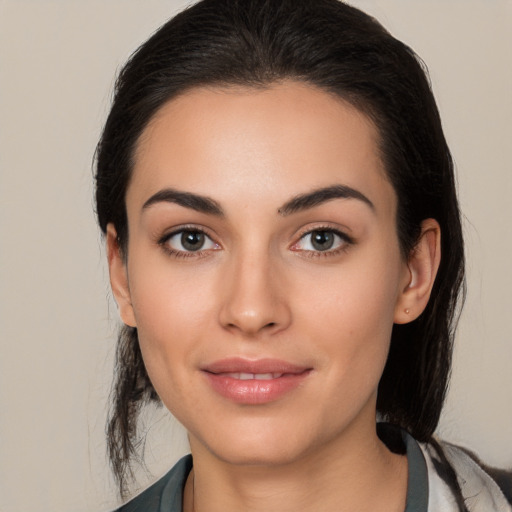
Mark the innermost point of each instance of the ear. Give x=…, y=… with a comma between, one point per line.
x=422, y=269
x=119, y=277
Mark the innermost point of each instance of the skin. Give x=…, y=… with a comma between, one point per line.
x=260, y=289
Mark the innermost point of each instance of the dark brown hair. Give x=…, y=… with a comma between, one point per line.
x=339, y=49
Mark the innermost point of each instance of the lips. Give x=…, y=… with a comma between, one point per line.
x=254, y=382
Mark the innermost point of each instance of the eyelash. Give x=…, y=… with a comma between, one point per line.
x=163, y=242
x=346, y=240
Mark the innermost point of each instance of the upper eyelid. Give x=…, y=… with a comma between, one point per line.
x=340, y=235
x=346, y=241
x=342, y=232
x=179, y=229
x=164, y=243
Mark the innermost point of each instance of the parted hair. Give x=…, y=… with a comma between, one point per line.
x=339, y=49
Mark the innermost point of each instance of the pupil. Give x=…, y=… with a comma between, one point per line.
x=192, y=240
x=322, y=240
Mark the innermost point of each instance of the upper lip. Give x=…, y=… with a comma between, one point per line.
x=259, y=366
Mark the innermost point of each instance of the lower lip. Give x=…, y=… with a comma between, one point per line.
x=252, y=391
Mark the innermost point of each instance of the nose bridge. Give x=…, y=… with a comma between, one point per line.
x=253, y=301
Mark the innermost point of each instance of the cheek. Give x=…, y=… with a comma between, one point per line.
x=351, y=311
x=359, y=295
x=171, y=310
x=166, y=299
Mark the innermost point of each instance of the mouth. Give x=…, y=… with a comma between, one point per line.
x=252, y=376
x=255, y=382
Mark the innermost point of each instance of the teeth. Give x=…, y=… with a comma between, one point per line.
x=253, y=376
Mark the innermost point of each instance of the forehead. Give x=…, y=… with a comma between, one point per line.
x=275, y=141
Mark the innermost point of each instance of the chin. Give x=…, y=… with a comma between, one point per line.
x=256, y=454
x=262, y=443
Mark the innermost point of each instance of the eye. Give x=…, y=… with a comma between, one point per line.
x=322, y=240
x=188, y=241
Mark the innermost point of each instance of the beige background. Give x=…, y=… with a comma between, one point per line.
x=57, y=63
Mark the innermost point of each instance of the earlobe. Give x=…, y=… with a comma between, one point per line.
x=422, y=269
x=119, y=277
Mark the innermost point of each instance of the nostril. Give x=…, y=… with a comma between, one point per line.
x=253, y=312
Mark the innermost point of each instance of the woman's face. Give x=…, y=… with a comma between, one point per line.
x=263, y=269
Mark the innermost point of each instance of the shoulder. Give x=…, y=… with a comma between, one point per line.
x=483, y=488
x=166, y=492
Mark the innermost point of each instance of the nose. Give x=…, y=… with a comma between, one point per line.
x=254, y=297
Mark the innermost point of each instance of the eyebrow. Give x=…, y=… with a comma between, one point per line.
x=196, y=202
x=207, y=205
x=321, y=195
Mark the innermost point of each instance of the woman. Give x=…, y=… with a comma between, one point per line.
x=285, y=249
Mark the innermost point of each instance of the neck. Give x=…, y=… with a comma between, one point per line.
x=353, y=472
